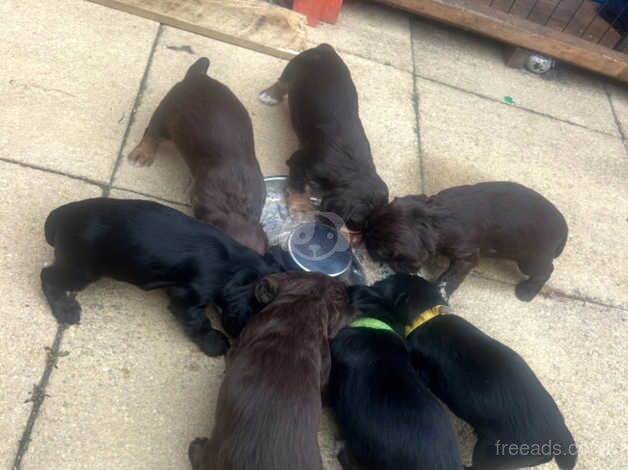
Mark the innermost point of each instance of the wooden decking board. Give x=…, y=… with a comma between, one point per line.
x=253, y=24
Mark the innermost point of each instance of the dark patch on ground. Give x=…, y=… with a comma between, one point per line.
x=183, y=48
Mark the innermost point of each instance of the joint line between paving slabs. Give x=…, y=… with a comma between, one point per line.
x=417, y=116
x=30, y=166
x=152, y=196
x=514, y=106
x=37, y=397
x=136, y=103
x=614, y=112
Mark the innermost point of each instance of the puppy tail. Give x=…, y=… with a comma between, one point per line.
x=198, y=68
x=568, y=455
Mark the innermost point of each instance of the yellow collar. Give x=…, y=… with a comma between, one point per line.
x=423, y=318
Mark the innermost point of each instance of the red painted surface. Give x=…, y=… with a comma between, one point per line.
x=316, y=10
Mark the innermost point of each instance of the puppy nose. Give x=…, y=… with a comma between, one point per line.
x=314, y=247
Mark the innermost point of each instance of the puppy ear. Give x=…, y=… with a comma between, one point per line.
x=266, y=290
x=237, y=300
x=401, y=300
x=428, y=239
x=362, y=297
x=340, y=310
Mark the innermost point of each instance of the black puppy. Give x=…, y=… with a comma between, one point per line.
x=334, y=151
x=481, y=380
x=389, y=419
x=152, y=246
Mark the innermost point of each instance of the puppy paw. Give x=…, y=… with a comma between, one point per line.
x=442, y=289
x=143, y=154
x=214, y=343
x=267, y=98
x=355, y=238
x=66, y=310
x=196, y=452
x=526, y=290
x=298, y=203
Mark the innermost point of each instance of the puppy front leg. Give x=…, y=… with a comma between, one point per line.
x=354, y=237
x=458, y=269
x=190, y=308
x=298, y=201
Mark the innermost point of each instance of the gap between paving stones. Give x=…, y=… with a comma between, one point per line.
x=417, y=111
x=38, y=395
x=614, y=111
x=136, y=104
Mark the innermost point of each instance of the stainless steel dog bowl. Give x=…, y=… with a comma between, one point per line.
x=316, y=247
x=309, y=245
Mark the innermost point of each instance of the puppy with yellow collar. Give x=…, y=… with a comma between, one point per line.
x=481, y=380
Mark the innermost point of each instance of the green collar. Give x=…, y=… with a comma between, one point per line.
x=374, y=323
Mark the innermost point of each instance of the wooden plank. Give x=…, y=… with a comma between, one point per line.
x=576, y=17
x=253, y=24
x=519, y=32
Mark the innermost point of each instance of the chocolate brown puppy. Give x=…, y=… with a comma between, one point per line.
x=495, y=219
x=213, y=132
x=269, y=404
x=333, y=149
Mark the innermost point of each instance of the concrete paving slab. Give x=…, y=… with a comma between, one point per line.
x=27, y=324
x=387, y=113
x=466, y=139
x=132, y=391
x=577, y=350
x=372, y=31
x=476, y=64
x=385, y=106
x=71, y=71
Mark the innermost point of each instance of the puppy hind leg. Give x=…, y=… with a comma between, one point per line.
x=492, y=454
x=539, y=271
x=487, y=455
x=197, y=452
x=145, y=152
x=273, y=95
x=56, y=282
x=347, y=460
